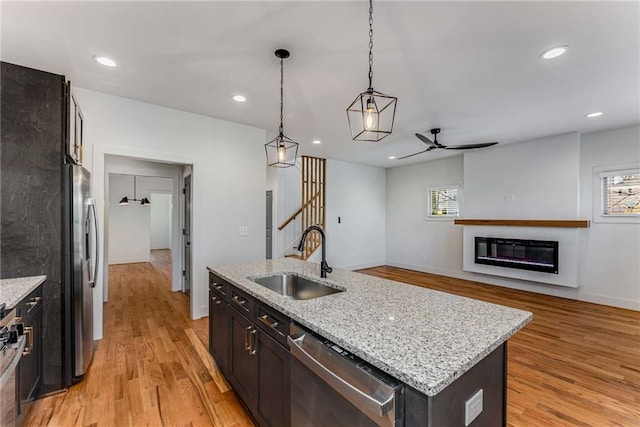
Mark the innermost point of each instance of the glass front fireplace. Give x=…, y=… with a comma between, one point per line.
x=535, y=255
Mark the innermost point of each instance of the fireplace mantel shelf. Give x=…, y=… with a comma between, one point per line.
x=570, y=223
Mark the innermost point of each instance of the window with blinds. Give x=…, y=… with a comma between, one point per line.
x=443, y=202
x=621, y=192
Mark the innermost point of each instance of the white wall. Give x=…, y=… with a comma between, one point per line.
x=160, y=221
x=286, y=184
x=607, y=255
x=541, y=175
x=529, y=180
x=356, y=194
x=226, y=194
x=433, y=245
x=130, y=226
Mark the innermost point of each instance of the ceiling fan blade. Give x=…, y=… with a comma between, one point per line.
x=425, y=140
x=415, y=154
x=469, y=146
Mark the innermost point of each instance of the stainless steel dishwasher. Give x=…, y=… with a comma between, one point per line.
x=331, y=387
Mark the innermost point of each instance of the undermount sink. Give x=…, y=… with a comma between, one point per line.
x=295, y=287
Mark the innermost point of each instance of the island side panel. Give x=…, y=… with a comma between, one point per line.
x=447, y=408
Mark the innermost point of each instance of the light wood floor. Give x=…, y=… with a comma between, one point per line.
x=153, y=366
x=576, y=364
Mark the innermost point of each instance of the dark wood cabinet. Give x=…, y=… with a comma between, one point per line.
x=247, y=341
x=244, y=366
x=30, y=312
x=273, y=382
x=219, y=331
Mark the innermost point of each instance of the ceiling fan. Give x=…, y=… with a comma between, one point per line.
x=435, y=145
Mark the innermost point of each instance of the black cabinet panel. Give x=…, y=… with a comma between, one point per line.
x=30, y=310
x=256, y=364
x=244, y=367
x=219, y=331
x=273, y=382
x=31, y=175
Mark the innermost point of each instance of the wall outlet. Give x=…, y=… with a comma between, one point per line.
x=472, y=408
x=509, y=197
x=243, y=230
x=424, y=257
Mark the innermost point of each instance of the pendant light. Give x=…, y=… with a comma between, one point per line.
x=125, y=200
x=372, y=113
x=281, y=151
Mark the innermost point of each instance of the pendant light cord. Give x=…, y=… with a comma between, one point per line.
x=281, y=95
x=370, y=45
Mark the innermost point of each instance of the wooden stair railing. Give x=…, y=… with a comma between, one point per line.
x=298, y=212
x=313, y=203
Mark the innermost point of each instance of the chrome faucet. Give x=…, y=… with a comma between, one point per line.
x=324, y=267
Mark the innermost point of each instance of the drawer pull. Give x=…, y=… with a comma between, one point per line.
x=252, y=342
x=28, y=331
x=217, y=286
x=247, y=346
x=33, y=303
x=240, y=301
x=273, y=325
x=216, y=300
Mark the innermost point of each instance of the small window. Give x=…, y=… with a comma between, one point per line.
x=621, y=193
x=443, y=202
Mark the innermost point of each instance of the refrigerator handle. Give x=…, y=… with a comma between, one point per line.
x=92, y=203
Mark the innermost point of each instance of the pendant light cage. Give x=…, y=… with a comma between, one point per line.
x=281, y=151
x=371, y=116
x=372, y=113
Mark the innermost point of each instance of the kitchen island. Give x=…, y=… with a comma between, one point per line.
x=426, y=339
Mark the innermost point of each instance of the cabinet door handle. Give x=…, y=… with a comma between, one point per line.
x=247, y=344
x=273, y=325
x=252, y=341
x=216, y=300
x=28, y=331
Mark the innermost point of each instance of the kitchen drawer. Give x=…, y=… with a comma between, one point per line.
x=30, y=303
x=273, y=322
x=219, y=287
x=242, y=302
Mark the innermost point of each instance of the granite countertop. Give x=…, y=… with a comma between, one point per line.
x=425, y=338
x=12, y=291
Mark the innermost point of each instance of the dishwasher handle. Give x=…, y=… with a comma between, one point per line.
x=360, y=399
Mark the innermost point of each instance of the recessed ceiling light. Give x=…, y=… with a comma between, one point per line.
x=106, y=61
x=392, y=157
x=239, y=98
x=317, y=141
x=554, y=52
x=594, y=114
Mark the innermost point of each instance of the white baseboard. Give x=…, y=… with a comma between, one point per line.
x=362, y=266
x=614, y=302
x=553, y=290
x=128, y=260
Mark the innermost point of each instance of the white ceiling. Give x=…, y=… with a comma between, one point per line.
x=471, y=68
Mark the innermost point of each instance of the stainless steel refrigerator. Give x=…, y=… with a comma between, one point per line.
x=81, y=273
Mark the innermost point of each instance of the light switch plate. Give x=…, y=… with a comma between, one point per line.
x=472, y=408
x=243, y=230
